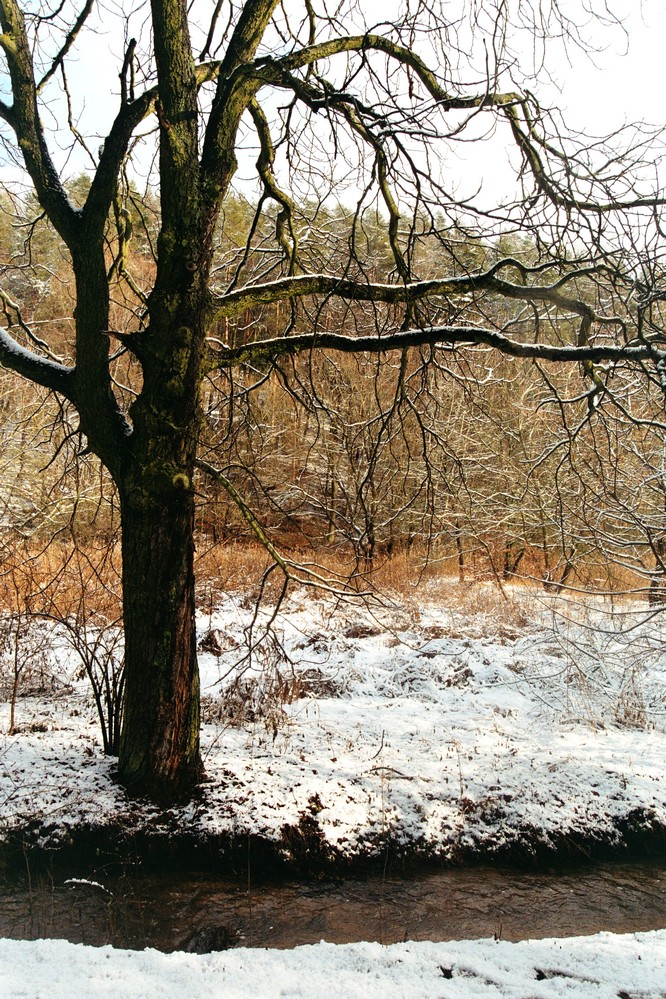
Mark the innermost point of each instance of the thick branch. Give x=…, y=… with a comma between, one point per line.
x=177, y=114
x=25, y=121
x=239, y=80
x=104, y=183
x=450, y=336
x=380, y=43
x=38, y=369
x=249, y=77
x=326, y=284
x=233, y=95
x=248, y=33
x=130, y=116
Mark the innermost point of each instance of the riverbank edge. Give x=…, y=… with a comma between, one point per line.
x=303, y=851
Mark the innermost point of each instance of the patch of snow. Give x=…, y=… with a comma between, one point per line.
x=421, y=727
x=604, y=966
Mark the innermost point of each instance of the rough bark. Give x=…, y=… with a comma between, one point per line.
x=159, y=746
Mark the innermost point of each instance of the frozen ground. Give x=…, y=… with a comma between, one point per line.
x=604, y=966
x=495, y=725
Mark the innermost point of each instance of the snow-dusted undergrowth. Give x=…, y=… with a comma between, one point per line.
x=490, y=725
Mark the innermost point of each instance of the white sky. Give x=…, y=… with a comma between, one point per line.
x=625, y=81
x=622, y=83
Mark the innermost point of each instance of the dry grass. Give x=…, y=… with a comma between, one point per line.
x=79, y=584
x=54, y=579
x=51, y=578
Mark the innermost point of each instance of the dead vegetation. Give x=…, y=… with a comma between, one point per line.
x=72, y=583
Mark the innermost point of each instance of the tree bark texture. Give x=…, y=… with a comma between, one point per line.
x=159, y=746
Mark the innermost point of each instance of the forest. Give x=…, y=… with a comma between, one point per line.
x=266, y=336
x=332, y=499
x=349, y=474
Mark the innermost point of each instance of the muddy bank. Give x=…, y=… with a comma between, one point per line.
x=302, y=850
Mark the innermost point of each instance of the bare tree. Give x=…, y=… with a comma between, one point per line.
x=314, y=96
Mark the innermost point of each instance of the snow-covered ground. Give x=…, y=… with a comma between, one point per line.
x=492, y=725
x=605, y=966
x=497, y=724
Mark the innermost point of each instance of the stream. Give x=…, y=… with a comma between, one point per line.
x=180, y=910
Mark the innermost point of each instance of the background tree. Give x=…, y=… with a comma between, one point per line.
x=162, y=350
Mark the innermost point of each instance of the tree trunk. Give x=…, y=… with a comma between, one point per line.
x=657, y=591
x=159, y=745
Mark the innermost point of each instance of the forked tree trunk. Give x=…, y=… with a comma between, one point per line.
x=159, y=745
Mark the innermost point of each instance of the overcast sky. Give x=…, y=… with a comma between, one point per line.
x=621, y=83
x=625, y=81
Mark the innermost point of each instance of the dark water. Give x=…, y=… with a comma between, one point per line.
x=168, y=911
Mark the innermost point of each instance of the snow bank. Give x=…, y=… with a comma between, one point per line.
x=605, y=965
x=447, y=732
